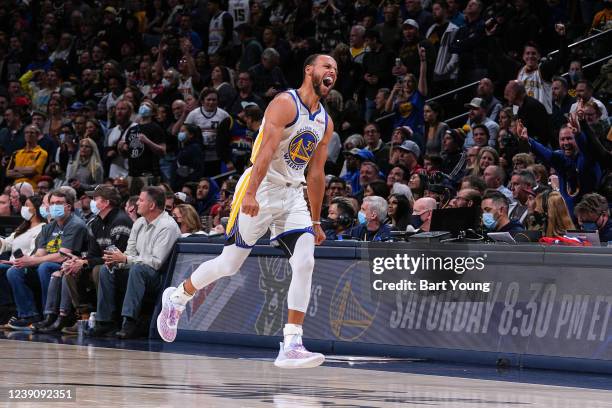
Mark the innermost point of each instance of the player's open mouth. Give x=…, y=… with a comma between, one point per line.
x=328, y=81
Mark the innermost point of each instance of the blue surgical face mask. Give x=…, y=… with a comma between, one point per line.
x=62, y=137
x=182, y=136
x=43, y=212
x=165, y=83
x=589, y=226
x=94, y=207
x=144, y=111
x=416, y=221
x=362, y=217
x=56, y=211
x=489, y=221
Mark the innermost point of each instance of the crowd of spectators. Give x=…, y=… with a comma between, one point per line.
x=125, y=125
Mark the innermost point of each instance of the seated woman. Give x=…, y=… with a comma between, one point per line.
x=399, y=212
x=21, y=242
x=86, y=171
x=548, y=213
x=187, y=219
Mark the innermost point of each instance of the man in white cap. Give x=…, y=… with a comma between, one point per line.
x=478, y=116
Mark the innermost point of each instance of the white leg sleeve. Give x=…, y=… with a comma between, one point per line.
x=302, y=265
x=226, y=264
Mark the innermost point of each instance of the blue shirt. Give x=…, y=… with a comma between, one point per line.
x=361, y=233
x=410, y=113
x=580, y=173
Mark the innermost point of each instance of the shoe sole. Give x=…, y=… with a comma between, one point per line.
x=163, y=315
x=311, y=362
x=20, y=328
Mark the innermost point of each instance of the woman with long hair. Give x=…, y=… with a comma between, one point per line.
x=376, y=188
x=549, y=214
x=22, y=241
x=86, y=171
x=187, y=219
x=487, y=156
x=418, y=185
x=93, y=131
x=399, y=212
x=434, y=128
x=221, y=80
x=55, y=117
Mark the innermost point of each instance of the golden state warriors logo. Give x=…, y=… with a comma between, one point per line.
x=300, y=150
x=352, y=309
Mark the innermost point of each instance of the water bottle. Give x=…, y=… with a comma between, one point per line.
x=91, y=322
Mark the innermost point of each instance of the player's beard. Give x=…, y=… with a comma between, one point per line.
x=316, y=86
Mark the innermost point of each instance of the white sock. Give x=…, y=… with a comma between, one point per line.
x=293, y=334
x=180, y=296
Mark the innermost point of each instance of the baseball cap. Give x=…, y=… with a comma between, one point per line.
x=363, y=154
x=246, y=104
x=77, y=106
x=410, y=146
x=107, y=192
x=111, y=10
x=475, y=103
x=411, y=22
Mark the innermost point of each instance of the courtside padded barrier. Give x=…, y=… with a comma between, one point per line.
x=547, y=307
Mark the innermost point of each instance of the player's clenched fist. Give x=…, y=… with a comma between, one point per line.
x=250, y=206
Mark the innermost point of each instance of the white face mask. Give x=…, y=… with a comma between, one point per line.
x=25, y=213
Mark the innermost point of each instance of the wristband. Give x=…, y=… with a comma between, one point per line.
x=316, y=222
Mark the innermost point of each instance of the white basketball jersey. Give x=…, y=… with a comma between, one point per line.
x=297, y=145
x=536, y=87
x=216, y=33
x=240, y=11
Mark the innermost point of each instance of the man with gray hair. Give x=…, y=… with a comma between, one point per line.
x=522, y=184
x=371, y=219
x=268, y=79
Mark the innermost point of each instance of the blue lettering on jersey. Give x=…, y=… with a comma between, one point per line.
x=300, y=150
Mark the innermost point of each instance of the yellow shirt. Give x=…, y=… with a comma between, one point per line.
x=36, y=157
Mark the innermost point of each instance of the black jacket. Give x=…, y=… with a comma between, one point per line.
x=114, y=229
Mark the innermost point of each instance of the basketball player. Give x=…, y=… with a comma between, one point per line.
x=295, y=132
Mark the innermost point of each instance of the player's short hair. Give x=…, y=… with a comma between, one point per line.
x=310, y=60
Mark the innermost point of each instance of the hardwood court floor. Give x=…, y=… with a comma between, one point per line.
x=111, y=377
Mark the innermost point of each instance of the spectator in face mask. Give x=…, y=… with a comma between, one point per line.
x=495, y=213
x=593, y=215
x=421, y=214
x=22, y=240
x=371, y=219
x=18, y=191
x=188, y=220
x=340, y=217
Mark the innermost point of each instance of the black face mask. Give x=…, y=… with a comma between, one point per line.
x=539, y=218
x=328, y=223
x=415, y=221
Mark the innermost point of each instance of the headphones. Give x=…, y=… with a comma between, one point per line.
x=346, y=214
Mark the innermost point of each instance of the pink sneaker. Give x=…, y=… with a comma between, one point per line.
x=168, y=318
x=296, y=356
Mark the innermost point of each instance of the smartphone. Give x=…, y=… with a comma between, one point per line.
x=18, y=254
